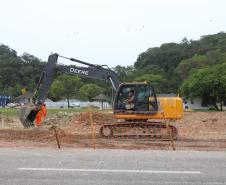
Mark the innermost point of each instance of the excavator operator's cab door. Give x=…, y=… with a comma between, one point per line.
x=139, y=98
x=146, y=99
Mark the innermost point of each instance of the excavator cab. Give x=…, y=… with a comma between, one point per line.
x=135, y=98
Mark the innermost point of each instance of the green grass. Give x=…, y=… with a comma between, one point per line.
x=55, y=111
x=12, y=112
x=9, y=112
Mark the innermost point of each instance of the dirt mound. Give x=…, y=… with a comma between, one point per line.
x=9, y=122
x=60, y=119
x=36, y=134
x=196, y=131
x=98, y=118
x=202, y=126
x=80, y=124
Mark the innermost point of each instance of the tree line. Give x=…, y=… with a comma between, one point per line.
x=190, y=68
x=20, y=74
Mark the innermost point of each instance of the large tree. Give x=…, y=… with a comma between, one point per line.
x=17, y=72
x=208, y=83
x=65, y=86
x=175, y=61
x=157, y=81
x=124, y=72
x=89, y=91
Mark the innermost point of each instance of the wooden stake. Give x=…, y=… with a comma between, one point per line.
x=56, y=136
x=3, y=123
x=169, y=131
x=92, y=126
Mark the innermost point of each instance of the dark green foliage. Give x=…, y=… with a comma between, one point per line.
x=124, y=72
x=167, y=56
x=18, y=72
x=65, y=86
x=175, y=62
x=208, y=83
x=197, y=68
x=89, y=91
x=157, y=81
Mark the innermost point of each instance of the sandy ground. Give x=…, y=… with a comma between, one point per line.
x=196, y=131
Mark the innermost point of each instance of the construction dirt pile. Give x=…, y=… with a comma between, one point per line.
x=202, y=126
x=196, y=131
x=82, y=124
x=98, y=118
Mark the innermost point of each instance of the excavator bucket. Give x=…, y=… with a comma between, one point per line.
x=27, y=116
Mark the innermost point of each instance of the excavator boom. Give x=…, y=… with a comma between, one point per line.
x=28, y=113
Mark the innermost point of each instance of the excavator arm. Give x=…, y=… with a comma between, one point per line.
x=28, y=114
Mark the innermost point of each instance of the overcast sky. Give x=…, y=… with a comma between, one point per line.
x=105, y=31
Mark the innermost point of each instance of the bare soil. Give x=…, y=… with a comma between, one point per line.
x=196, y=131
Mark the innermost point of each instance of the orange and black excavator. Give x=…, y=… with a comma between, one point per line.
x=137, y=110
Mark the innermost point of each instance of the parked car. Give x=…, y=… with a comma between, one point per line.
x=73, y=105
x=12, y=105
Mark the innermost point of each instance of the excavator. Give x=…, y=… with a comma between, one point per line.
x=137, y=110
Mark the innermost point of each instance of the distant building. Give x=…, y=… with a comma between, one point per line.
x=196, y=103
x=74, y=103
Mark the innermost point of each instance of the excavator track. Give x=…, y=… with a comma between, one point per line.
x=154, y=130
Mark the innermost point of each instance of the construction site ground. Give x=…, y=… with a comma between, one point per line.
x=196, y=131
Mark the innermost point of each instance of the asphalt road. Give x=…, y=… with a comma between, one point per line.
x=111, y=167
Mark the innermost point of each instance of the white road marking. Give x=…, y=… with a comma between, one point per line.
x=110, y=170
